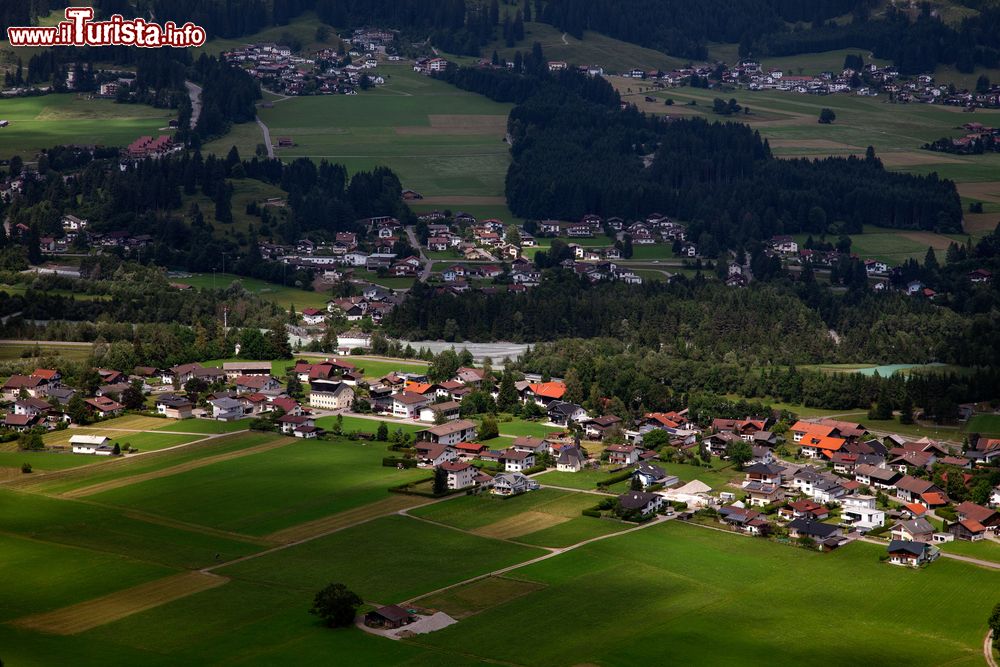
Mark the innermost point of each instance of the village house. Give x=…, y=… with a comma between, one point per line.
x=762, y=494
x=173, y=406
x=860, y=512
x=331, y=395
x=289, y=423
x=911, y=554
x=226, y=408
x=98, y=445
x=597, y=427
x=460, y=475
x=641, y=502
x=564, y=413
x=512, y=484
x=623, y=455
x=803, y=509
x=920, y=491
x=512, y=460
x=450, y=433
x=570, y=459
x=877, y=477
x=432, y=454
x=528, y=443
x=255, y=383
x=407, y=404
x=649, y=474
x=817, y=530
x=913, y=530
x=988, y=518
x=104, y=407
x=448, y=410
x=236, y=369
x=33, y=386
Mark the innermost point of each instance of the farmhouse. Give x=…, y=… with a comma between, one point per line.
x=255, y=383
x=234, y=369
x=330, y=395
x=389, y=617
x=98, y=445
x=640, y=502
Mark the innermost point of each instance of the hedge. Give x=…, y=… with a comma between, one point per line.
x=591, y=512
x=614, y=479
x=395, y=461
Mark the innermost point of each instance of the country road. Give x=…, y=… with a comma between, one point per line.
x=194, y=92
x=425, y=272
x=267, y=137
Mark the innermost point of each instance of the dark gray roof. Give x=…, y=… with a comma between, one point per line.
x=813, y=528
x=915, y=548
x=653, y=471
x=635, y=500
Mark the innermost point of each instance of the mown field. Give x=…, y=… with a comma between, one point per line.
x=48, y=120
x=664, y=591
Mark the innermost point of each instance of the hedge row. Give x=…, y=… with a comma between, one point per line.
x=395, y=461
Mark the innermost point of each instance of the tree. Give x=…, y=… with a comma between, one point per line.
x=440, y=481
x=117, y=450
x=30, y=441
x=906, y=410
x=827, y=116
x=382, y=433
x=77, y=409
x=635, y=484
x=336, y=605
x=488, y=428
x=338, y=425
x=739, y=451
x=655, y=439
x=507, y=395
x=132, y=397
x=994, y=621
x=440, y=418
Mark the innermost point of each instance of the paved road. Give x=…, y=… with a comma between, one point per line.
x=267, y=137
x=425, y=273
x=194, y=92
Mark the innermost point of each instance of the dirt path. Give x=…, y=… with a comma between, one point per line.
x=173, y=470
x=194, y=92
x=106, y=609
x=988, y=649
x=267, y=137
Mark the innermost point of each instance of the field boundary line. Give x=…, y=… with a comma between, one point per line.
x=93, y=613
x=396, y=503
x=470, y=532
x=111, y=484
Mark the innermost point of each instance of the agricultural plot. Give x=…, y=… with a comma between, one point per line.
x=30, y=351
x=206, y=426
x=410, y=558
x=12, y=460
x=691, y=579
x=442, y=142
x=364, y=425
x=267, y=491
x=987, y=424
x=478, y=596
x=108, y=531
x=517, y=427
x=503, y=517
x=50, y=120
x=283, y=296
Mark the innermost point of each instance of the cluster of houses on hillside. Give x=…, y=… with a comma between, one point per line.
x=978, y=139
x=870, y=80
x=327, y=72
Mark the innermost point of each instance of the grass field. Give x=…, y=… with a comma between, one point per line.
x=44, y=460
x=48, y=120
x=206, y=426
x=498, y=517
x=690, y=580
x=13, y=351
x=268, y=491
x=364, y=425
x=283, y=296
x=518, y=427
x=445, y=143
x=986, y=424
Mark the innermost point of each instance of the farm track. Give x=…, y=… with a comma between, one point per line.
x=330, y=524
x=108, y=608
x=173, y=470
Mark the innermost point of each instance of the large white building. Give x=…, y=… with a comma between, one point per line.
x=330, y=395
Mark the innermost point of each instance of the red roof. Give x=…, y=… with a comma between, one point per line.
x=45, y=373
x=916, y=509
x=548, y=389
x=934, y=499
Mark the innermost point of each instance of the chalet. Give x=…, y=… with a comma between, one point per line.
x=915, y=530
x=512, y=484
x=20, y=423
x=512, y=460
x=544, y=393
x=432, y=454
x=289, y=423
x=597, y=427
x=875, y=267
x=980, y=276
x=563, y=413
x=804, y=509
x=921, y=491
x=174, y=406
x=467, y=451
x=451, y=433
x=785, y=245
x=256, y=383
x=31, y=407
x=764, y=473
x=911, y=554
x=570, y=459
x=527, y=443
x=33, y=386
x=877, y=477
x=969, y=530
x=103, y=406
x=623, y=455
x=649, y=474
x=226, y=409
x=718, y=442
x=460, y=475
x=640, y=502
x=313, y=316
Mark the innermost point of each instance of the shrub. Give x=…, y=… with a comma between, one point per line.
x=26, y=468
x=591, y=512
x=395, y=461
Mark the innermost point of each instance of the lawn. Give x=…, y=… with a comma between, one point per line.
x=691, y=580
x=585, y=479
x=988, y=424
x=268, y=491
x=365, y=425
x=146, y=442
x=16, y=351
x=517, y=427
x=45, y=460
x=983, y=549
x=50, y=120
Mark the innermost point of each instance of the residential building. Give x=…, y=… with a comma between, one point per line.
x=173, y=406
x=460, y=475
x=570, y=459
x=861, y=512
x=911, y=554
x=450, y=433
x=512, y=460
x=408, y=404
x=913, y=530
x=331, y=395
x=641, y=502
x=512, y=484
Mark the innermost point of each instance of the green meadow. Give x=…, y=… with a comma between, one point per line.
x=49, y=120
x=267, y=491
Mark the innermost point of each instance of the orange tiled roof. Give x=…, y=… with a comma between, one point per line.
x=548, y=389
